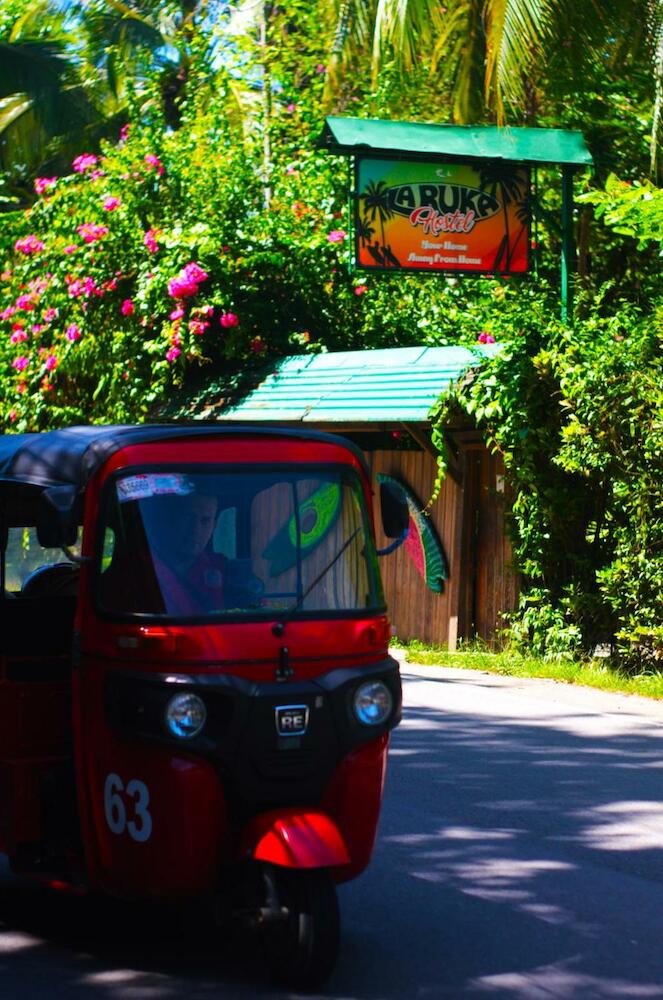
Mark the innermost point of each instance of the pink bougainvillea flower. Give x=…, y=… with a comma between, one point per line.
x=180, y=287
x=124, y=132
x=195, y=273
x=12, y=415
x=155, y=163
x=37, y=328
x=127, y=308
x=185, y=284
x=84, y=162
x=290, y=108
x=229, y=319
x=111, y=203
x=150, y=240
x=72, y=332
x=29, y=244
x=321, y=68
x=18, y=336
x=361, y=289
x=20, y=363
x=51, y=363
x=45, y=184
x=80, y=286
x=5, y=276
x=177, y=314
x=336, y=235
x=8, y=312
x=25, y=302
x=70, y=248
x=40, y=284
x=172, y=354
x=198, y=326
x=91, y=232
x=50, y=315
x=485, y=338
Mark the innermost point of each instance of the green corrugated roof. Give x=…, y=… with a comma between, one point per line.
x=395, y=385
x=352, y=136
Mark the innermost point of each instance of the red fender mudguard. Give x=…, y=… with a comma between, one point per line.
x=295, y=838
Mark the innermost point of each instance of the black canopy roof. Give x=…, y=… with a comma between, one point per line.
x=71, y=455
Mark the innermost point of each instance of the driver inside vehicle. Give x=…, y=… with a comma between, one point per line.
x=179, y=529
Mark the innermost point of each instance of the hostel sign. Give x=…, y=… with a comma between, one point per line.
x=435, y=216
x=453, y=198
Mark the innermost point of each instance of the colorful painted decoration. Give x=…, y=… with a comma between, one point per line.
x=422, y=545
x=317, y=516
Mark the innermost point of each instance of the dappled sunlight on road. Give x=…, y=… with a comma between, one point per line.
x=560, y=981
x=625, y=826
x=547, y=816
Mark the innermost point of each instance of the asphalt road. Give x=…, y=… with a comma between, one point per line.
x=520, y=856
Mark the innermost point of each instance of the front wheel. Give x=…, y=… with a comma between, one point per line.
x=301, y=948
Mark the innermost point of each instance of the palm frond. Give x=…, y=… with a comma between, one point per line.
x=12, y=108
x=516, y=30
x=409, y=25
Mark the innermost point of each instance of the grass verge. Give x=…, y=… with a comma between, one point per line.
x=595, y=673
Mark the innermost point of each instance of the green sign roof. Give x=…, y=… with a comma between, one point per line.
x=354, y=136
x=347, y=387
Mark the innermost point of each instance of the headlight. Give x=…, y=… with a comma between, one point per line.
x=372, y=703
x=185, y=715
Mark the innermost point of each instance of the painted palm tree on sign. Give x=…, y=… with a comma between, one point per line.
x=376, y=206
x=365, y=232
x=509, y=184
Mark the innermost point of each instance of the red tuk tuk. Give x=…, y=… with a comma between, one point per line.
x=196, y=698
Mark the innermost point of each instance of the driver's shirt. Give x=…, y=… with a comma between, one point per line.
x=195, y=591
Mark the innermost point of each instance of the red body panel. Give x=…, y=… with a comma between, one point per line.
x=181, y=814
x=353, y=800
x=294, y=838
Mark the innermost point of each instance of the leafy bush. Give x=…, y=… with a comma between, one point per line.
x=576, y=415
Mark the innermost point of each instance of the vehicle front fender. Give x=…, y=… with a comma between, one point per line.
x=295, y=838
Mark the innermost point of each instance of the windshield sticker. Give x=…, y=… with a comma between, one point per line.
x=153, y=485
x=316, y=516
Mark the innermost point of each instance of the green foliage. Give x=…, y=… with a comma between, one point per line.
x=576, y=415
x=631, y=209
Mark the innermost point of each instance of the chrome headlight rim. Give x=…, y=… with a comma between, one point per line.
x=179, y=706
x=372, y=703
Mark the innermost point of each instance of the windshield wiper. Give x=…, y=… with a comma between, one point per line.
x=278, y=627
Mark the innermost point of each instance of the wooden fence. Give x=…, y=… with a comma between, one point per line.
x=468, y=516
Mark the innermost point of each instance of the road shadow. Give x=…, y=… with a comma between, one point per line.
x=519, y=858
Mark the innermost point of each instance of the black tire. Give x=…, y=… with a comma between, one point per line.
x=302, y=949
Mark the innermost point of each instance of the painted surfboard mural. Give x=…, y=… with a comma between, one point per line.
x=422, y=545
x=317, y=515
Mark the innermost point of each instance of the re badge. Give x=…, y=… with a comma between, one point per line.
x=291, y=720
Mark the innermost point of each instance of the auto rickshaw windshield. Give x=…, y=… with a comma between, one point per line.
x=190, y=544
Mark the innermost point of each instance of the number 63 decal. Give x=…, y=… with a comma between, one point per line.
x=139, y=825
